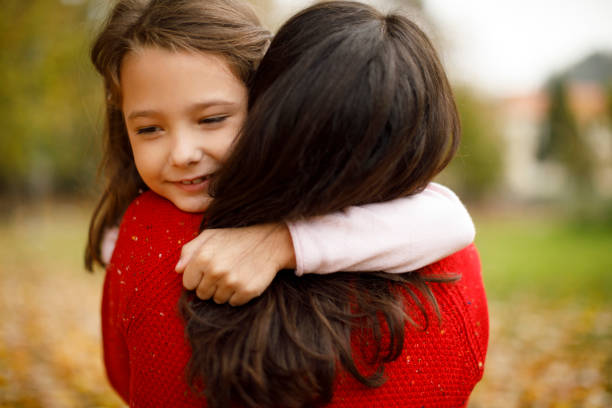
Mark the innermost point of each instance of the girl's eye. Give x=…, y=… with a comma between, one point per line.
x=214, y=119
x=147, y=130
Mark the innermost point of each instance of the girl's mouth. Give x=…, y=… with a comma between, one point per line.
x=194, y=181
x=197, y=184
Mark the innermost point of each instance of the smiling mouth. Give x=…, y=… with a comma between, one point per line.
x=194, y=181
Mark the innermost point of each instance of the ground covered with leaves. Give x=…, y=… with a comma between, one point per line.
x=551, y=333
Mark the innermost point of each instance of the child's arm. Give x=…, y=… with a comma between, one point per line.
x=405, y=234
x=402, y=235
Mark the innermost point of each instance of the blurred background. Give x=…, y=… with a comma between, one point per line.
x=533, y=82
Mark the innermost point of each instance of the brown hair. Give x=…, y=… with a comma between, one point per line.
x=348, y=107
x=228, y=28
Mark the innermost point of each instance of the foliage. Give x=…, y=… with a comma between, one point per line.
x=49, y=99
x=477, y=167
x=546, y=354
x=609, y=102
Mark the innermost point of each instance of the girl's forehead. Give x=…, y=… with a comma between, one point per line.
x=152, y=75
x=193, y=59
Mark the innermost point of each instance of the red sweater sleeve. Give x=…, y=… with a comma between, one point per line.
x=145, y=350
x=116, y=359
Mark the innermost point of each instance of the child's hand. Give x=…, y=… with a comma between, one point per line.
x=235, y=264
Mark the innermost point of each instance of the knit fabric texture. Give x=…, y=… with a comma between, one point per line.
x=146, y=352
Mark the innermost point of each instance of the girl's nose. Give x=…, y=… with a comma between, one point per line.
x=185, y=151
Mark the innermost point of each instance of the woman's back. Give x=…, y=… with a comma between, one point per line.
x=146, y=351
x=441, y=365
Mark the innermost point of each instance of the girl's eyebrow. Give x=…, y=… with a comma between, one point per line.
x=214, y=102
x=195, y=107
x=141, y=114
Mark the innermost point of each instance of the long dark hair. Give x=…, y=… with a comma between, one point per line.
x=348, y=107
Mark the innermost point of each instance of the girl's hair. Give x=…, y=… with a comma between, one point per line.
x=228, y=28
x=348, y=107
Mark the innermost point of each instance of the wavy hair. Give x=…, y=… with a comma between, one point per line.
x=348, y=107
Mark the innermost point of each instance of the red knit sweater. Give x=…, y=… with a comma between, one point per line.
x=145, y=350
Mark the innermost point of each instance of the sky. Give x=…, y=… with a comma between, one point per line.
x=510, y=47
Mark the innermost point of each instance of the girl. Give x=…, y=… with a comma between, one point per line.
x=142, y=348
x=410, y=232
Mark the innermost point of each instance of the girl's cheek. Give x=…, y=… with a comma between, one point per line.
x=148, y=157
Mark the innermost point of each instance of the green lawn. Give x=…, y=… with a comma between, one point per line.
x=548, y=257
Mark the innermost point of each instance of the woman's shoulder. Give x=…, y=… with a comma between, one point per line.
x=463, y=262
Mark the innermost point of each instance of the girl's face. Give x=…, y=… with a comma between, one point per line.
x=182, y=111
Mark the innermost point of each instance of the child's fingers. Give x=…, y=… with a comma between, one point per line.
x=208, y=284
x=255, y=286
x=186, y=254
x=205, y=292
x=239, y=298
x=191, y=277
x=190, y=249
x=222, y=294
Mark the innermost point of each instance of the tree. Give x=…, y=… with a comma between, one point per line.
x=50, y=99
x=609, y=102
x=561, y=139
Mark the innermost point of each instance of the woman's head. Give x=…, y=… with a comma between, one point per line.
x=144, y=52
x=349, y=106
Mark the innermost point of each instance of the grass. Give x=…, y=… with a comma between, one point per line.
x=547, y=257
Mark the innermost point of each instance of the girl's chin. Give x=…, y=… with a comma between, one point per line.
x=192, y=204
